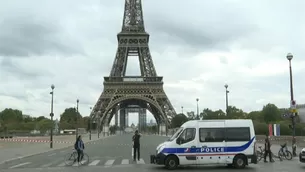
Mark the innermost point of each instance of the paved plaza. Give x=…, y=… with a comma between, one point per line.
x=114, y=154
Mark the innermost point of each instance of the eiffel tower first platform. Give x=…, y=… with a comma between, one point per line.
x=121, y=91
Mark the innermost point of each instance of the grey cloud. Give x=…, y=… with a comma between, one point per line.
x=28, y=35
x=17, y=96
x=23, y=72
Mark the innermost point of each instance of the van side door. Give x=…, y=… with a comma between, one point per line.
x=212, y=143
x=238, y=140
x=187, y=142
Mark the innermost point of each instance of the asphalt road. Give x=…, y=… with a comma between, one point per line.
x=113, y=154
x=112, y=151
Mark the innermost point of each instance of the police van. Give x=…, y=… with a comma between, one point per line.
x=208, y=142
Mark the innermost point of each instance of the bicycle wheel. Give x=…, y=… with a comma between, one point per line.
x=85, y=159
x=280, y=154
x=259, y=155
x=70, y=158
x=288, y=155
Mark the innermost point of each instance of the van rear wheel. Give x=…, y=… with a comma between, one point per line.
x=239, y=161
x=171, y=162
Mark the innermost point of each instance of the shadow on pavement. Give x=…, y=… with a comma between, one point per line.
x=208, y=168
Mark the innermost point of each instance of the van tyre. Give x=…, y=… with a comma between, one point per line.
x=239, y=161
x=171, y=162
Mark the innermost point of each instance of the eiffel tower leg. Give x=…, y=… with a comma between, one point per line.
x=122, y=119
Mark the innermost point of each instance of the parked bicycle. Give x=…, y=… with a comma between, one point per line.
x=261, y=152
x=71, y=158
x=284, y=152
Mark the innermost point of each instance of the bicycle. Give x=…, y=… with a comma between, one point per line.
x=284, y=152
x=71, y=158
x=261, y=152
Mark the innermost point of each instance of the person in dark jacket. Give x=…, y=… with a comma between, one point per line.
x=136, y=145
x=268, y=150
x=79, y=146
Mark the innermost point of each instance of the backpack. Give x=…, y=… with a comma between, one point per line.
x=75, y=145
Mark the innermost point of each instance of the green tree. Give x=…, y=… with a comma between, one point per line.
x=210, y=114
x=235, y=113
x=271, y=113
x=45, y=125
x=40, y=118
x=72, y=117
x=9, y=115
x=178, y=120
x=256, y=115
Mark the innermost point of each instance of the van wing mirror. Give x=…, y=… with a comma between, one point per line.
x=178, y=140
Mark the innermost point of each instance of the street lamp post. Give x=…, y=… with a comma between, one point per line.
x=182, y=109
x=227, y=102
x=90, y=118
x=76, y=127
x=197, y=108
x=289, y=58
x=52, y=114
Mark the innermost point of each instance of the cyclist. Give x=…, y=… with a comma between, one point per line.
x=79, y=147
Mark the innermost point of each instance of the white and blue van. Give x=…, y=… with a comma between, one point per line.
x=207, y=142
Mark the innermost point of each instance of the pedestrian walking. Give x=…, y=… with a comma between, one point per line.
x=136, y=145
x=268, y=150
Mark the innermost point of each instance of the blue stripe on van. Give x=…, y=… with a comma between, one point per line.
x=209, y=149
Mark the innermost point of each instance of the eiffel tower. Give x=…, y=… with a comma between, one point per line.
x=121, y=91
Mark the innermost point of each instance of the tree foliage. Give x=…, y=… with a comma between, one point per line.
x=71, y=119
x=13, y=120
x=178, y=120
x=270, y=114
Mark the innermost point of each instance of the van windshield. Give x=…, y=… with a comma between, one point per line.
x=177, y=133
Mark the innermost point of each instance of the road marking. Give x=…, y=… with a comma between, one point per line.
x=52, y=154
x=95, y=162
x=78, y=164
x=141, y=161
x=62, y=151
x=109, y=162
x=19, y=165
x=62, y=164
x=46, y=165
x=125, y=161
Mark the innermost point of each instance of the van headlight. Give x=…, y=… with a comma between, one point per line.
x=160, y=149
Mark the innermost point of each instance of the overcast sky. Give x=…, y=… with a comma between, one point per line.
x=197, y=45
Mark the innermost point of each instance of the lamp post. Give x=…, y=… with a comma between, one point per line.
x=227, y=102
x=289, y=58
x=76, y=127
x=182, y=109
x=90, y=118
x=51, y=115
x=197, y=108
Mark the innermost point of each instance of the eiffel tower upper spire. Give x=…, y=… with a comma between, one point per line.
x=133, y=17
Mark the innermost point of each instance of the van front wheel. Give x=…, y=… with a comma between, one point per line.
x=239, y=161
x=171, y=162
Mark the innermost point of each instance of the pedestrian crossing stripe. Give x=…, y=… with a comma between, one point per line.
x=93, y=163
x=106, y=164
x=20, y=165
x=109, y=162
x=125, y=161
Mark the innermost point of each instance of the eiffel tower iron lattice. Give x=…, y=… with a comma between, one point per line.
x=145, y=91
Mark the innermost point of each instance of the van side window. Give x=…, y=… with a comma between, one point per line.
x=238, y=134
x=211, y=134
x=188, y=135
